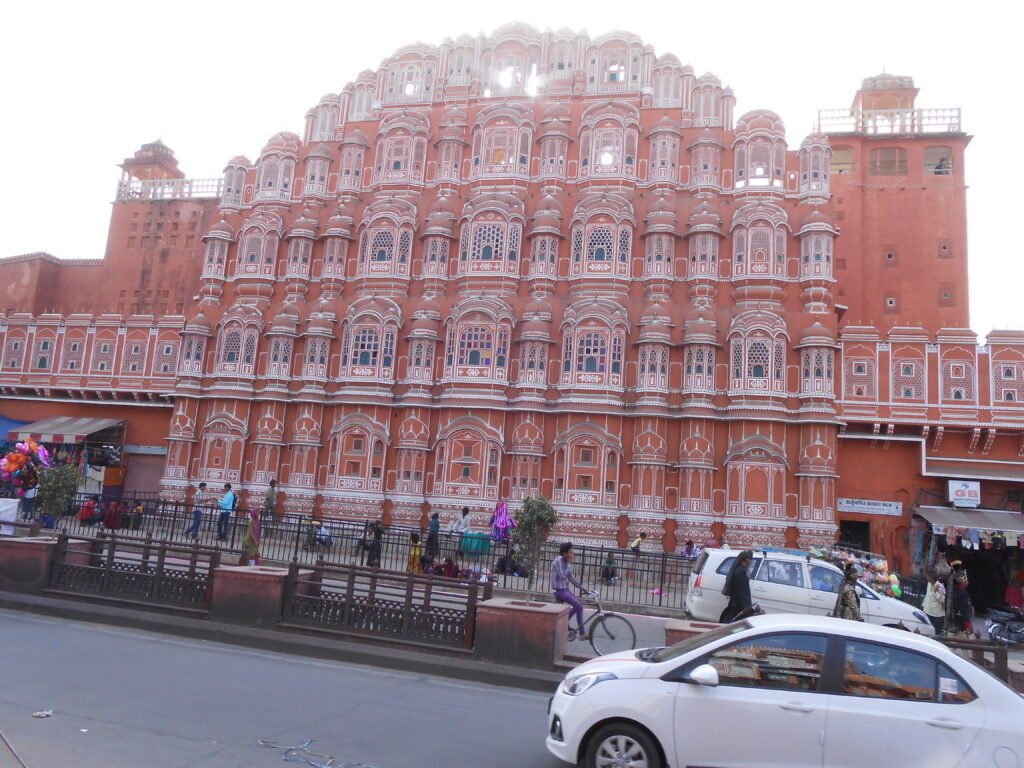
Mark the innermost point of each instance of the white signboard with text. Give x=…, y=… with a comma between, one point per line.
x=965, y=493
x=871, y=507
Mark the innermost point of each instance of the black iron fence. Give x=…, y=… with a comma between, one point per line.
x=368, y=601
x=648, y=578
x=135, y=571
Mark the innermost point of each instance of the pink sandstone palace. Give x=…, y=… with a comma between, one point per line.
x=535, y=263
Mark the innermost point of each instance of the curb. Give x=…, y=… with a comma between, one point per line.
x=288, y=642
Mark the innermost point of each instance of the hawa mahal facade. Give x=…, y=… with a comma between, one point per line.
x=538, y=263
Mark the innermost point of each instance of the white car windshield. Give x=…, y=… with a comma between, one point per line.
x=693, y=643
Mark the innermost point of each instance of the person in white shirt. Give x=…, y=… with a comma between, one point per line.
x=934, y=605
x=461, y=526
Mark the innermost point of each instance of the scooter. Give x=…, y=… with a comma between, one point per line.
x=1006, y=627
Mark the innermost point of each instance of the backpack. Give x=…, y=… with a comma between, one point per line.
x=234, y=502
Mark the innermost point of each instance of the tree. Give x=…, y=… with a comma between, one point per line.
x=57, y=486
x=534, y=520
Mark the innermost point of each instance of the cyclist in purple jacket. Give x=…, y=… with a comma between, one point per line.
x=561, y=578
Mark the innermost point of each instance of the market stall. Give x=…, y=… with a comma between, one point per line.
x=986, y=541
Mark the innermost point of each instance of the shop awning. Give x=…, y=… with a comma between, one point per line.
x=985, y=519
x=62, y=429
x=975, y=470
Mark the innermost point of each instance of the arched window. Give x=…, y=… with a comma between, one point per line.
x=476, y=346
x=758, y=364
x=366, y=347
x=601, y=249
x=502, y=148
x=592, y=353
x=350, y=173
x=234, y=183
x=232, y=347
x=275, y=177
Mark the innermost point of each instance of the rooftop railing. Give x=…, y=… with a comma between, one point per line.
x=169, y=189
x=889, y=122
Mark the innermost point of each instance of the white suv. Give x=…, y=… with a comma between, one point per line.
x=784, y=582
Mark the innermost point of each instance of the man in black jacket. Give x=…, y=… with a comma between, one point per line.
x=737, y=587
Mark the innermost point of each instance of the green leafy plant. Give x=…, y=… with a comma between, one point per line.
x=534, y=520
x=57, y=486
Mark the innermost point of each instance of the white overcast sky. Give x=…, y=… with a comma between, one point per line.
x=82, y=85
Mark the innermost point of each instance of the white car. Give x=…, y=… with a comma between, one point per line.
x=783, y=582
x=787, y=691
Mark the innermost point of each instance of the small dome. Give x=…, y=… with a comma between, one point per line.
x=454, y=117
x=700, y=329
x=665, y=123
x=817, y=457
x=555, y=111
x=816, y=334
x=321, y=151
x=285, y=142
x=320, y=322
x=356, y=137
x=705, y=216
x=442, y=207
x=345, y=211
x=816, y=217
x=668, y=59
x=423, y=325
x=697, y=450
x=222, y=228
x=238, y=161
x=537, y=307
x=762, y=120
x=198, y=323
x=887, y=82
x=284, y=323
x=428, y=306
x=814, y=140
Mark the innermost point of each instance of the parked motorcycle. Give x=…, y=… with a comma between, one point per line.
x=1006, y=627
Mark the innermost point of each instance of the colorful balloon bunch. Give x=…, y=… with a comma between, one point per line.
x=22, y=465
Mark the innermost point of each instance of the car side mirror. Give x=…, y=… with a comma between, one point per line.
x=705, y=674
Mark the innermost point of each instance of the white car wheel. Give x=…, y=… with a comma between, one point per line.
x=621, y=745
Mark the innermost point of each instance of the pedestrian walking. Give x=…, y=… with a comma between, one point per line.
x=561, y=578
x=270, y=503
x=737, y=588
x=963, y=611
x=376, y=544
x=138, y=513
x=934, y=605
x=433, y=531
x=198, y=501
x=28, y=503
x=227, y=505
x=502, y=523
x=848, y=601
x=415, y=562
x=251, y=542
x=112, y=517
x=956, y=570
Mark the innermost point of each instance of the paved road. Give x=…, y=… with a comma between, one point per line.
x=126, y=698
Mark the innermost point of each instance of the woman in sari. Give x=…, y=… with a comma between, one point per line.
x=251, y=542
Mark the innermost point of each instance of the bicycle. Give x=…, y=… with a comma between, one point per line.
x=607, y=631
